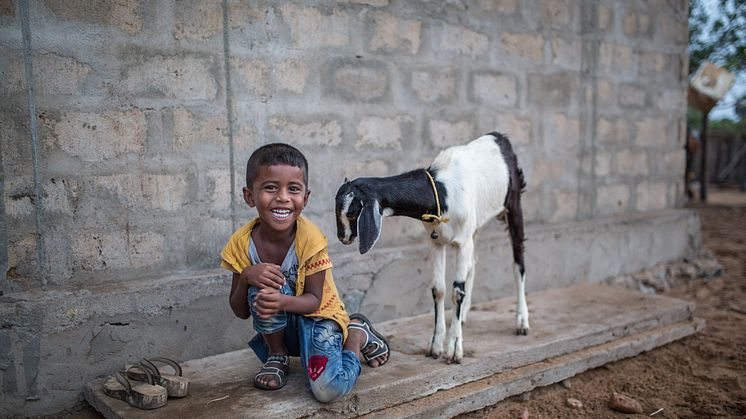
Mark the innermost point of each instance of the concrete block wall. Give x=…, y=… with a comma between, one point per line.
x=123, y=154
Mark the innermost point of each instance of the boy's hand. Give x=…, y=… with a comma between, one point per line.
x=263, y=275
x=267, y=303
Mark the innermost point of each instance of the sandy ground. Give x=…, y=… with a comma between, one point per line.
x=702, y=376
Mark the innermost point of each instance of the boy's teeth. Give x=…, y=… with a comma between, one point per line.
x=281, y=213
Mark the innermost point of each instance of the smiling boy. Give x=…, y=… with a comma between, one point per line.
x=282, y=277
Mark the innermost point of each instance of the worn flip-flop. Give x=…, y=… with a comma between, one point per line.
x=176, y=385
x=268, y=370
x=142, y=395
x=375, y=343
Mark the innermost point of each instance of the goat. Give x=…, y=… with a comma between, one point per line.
x=464, y=187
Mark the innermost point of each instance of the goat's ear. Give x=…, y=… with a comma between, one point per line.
x=345, y=181
x=369, y=226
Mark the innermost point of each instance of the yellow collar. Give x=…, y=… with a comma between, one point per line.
x=431, y=218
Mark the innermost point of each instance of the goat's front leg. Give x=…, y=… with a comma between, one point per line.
x=455, y=349
x=439, y=290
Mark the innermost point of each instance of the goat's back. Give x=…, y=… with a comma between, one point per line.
x=476, y=178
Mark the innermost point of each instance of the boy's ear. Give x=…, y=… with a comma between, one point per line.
x=305, y=198
x=248, y=197
x=369, y=226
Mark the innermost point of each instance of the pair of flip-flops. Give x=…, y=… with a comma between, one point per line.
x=144, y=386
x=375, y=343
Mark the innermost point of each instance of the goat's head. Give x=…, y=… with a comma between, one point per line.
x=358, y=214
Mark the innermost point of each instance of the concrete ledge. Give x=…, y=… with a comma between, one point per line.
x=573, y=329
x=96, y=328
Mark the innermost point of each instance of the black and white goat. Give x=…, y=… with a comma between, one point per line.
x=463, y=188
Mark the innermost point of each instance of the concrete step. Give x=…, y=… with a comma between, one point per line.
x=572, y=330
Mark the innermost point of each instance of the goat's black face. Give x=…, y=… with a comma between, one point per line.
x=347, y=208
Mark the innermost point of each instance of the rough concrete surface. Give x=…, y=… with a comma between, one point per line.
x=573, y=329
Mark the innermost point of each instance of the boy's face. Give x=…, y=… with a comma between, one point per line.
x=279, y=194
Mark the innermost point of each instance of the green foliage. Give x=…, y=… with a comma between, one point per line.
x=718, y=35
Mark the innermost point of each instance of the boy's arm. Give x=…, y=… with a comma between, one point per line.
x=269, y=302
x=238, y=297
x=263, y=275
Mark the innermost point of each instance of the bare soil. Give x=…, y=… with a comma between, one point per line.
x=701, y=376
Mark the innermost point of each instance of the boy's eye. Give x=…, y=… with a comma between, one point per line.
x=295, y=189
x=270, y=187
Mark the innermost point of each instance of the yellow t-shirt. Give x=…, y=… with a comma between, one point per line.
x=311, y=247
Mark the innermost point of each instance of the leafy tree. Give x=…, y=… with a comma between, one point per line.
x=718, y=34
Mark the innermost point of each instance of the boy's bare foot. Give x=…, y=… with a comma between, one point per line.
x=368, y=342
x=272, y=376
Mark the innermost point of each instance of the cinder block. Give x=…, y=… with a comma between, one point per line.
x=636, y=25
x=184, y=77
x=556, y=13
x=674, y=162
x=632, y=95
x=605, y=95
x=322, y=131
x=98, y=250
x=566, y=53
x=603, y=163
x=253, y=76
x=652, y=131
x=167, y=192
x=190, y=129
x=438, y=86
x=18, y=196
x=375, y=132
x=612, y=131
x=445, y=133
x=653, y=63
x=631, y=163
x=501, y=6
x=310, y=28
x=612, y=199
x=460, y=40
x=12, y=72
x=393, y=34
x=58, y=193
x=59, y=75
x=291, y=75
x=651, y=196
x=219, y=188
x=605, y=19
x=529, y=46
x=554, y=90
x=354, y=81
x=548, y=170
x=494, y=89
x=563, y=135
x=100, y=136
x=565, y=204
x=617, y=60
x=517, y=129
x=198, y=20
x=124, y=15
x=671, y=100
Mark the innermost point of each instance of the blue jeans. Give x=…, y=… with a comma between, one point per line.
x=331, y=371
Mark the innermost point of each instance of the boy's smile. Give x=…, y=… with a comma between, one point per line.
x=279, y=194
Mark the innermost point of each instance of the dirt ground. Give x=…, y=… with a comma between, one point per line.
x=701, y=376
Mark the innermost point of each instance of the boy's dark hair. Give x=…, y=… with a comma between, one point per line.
x=272, y=154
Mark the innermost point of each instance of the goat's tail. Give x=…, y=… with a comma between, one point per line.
x=513, y=211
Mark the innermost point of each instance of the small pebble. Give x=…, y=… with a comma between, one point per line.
x=525, y=396
x=524, y=414
x=624, y=404
x=566, y=384
x=574, y=403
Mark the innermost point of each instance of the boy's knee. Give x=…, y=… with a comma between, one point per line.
x=326, y=392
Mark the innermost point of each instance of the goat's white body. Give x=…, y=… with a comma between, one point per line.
x=476, y=178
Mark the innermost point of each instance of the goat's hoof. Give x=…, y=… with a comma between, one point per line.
x=453, y=360
x=522, y=331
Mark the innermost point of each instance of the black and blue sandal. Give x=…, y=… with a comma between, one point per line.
x=375, y=343
x=277, y=366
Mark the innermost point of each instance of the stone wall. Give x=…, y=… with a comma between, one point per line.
x=125, y=128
